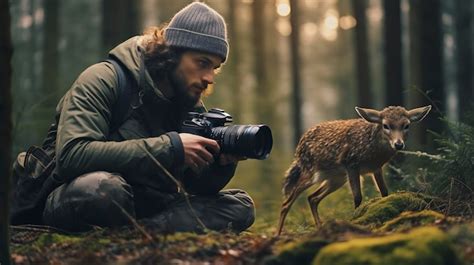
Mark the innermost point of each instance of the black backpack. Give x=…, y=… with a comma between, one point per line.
x=34, y=174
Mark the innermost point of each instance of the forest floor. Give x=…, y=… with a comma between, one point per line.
x=390, y=231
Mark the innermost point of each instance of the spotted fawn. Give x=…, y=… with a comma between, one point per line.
x=332, y=150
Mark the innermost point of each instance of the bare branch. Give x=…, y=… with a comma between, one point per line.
x=178, y=184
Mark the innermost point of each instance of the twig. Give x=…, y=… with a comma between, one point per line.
x=395, y=169
x=435, y=106
x=463, y=184
x=178, y=184
x=134, y=222
x=450, y=196
x=39, y=229
x=423, y=154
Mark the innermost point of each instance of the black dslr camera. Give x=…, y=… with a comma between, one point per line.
x=251, y=141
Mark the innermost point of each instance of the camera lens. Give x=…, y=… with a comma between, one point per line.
x=252, y=141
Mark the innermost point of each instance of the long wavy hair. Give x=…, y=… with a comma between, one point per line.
x=160, y=58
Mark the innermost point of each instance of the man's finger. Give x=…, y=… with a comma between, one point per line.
x=201, y=163
x=206, y=155
x=212, y=145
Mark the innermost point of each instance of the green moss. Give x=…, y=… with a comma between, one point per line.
x=47, y=240
x=463, y=234
x=299, y=252
x=379, y=210
x=463, y=237
x=427, y=245
x=407, y=220
x=333, y=229
x=58, y=241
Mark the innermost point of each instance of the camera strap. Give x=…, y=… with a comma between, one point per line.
x=129, y=95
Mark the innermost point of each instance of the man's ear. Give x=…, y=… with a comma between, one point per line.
x=418, y=114
x=369, y=115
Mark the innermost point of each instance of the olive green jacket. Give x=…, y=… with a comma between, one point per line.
x=85, y=142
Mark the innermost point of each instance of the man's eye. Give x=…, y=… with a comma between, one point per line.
x=203, y=64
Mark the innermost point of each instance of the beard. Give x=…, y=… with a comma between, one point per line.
x=183, y=97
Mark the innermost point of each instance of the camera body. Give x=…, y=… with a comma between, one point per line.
x=251, y=141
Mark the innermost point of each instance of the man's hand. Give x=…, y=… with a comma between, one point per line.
x=198, y=151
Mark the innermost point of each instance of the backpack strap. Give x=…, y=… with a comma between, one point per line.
x=127, y=89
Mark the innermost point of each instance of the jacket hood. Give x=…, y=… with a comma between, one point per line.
x=130, y=54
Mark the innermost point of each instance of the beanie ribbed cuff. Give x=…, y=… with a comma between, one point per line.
x=197, y=41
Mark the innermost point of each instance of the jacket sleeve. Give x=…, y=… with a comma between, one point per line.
x=84, y=124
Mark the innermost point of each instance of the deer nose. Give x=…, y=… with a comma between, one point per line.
x=399, y=145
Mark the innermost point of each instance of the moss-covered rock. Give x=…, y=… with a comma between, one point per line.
x=299, y=252
x=379, y=210
x=336, y=230
x=303, y=250
x=427, y=245
x=407, y=220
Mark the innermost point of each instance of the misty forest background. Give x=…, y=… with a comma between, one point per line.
x=292, y=64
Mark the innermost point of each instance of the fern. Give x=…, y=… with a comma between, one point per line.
x=453, y=176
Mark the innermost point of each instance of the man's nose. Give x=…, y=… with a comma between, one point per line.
x=208, y=78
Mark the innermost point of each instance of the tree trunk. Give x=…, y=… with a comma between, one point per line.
x=295, y=71
x=393, y=53
x=362, y=55
x=263, y=65
x=262, y=58
x=51, y=52
x=234, y=61
x=463, y=22
x=259, y=48
x=5, y=129
x=426, y=73
x=120, y=21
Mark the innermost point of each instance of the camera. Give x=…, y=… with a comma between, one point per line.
x=251, y=141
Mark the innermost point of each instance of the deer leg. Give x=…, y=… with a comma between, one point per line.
x=314, y=200
x=327, y=187
x=354, y=181
x=378, y=177
x=287, y=205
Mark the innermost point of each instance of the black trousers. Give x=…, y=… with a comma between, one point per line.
x=102, y=198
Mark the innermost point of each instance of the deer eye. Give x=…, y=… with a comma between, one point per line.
x=386, y=127
x=406, y=127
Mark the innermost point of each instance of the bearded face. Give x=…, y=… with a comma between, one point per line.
x=193, y=74
x=184, y=94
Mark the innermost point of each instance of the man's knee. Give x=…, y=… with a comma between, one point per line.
x=97, y=198
x=241, y=207
x=230, y=209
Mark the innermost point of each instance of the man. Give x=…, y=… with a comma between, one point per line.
x=107, y=169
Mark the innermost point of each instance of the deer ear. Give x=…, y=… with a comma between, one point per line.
x=369, y=115
x=418, y=114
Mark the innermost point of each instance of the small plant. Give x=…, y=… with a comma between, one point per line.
x=453, y=176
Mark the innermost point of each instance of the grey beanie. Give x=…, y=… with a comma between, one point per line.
x=198, y=27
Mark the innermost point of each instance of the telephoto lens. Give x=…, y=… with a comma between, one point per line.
x=251, y=141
